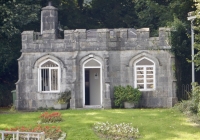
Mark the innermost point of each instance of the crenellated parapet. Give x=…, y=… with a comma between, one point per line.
x=95, y=40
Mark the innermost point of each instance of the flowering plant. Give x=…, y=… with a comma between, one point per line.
x=50, y=117
x=116, y=131
x=51, y=132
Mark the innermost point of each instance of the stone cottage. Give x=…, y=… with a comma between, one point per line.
x=90, y=63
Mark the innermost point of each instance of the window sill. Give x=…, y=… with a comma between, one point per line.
x=147, y=89
x=48, y=91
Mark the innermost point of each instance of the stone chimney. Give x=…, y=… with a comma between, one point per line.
x=49, y=22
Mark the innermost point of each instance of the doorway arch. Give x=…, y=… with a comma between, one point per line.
x=92, y=83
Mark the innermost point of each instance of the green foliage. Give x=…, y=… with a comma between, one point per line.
x=126, y=94
x=132, y=94
x=182, y=51
x=152, y=14
x=180, y=8
x=196, y=98
x=13, y=16
x=191, y=106
x=64, y=97
x=116, y=131
x=12, y=108
x=184, y=106
x=119, y=96
x=5, y=94
x=197, y=35
x=112, y=14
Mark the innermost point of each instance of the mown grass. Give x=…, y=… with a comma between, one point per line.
x=153, y=124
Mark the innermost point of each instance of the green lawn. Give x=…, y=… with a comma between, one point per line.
x=153, y=124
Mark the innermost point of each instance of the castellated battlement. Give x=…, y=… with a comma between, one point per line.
x=89, y=40
x=95, y=40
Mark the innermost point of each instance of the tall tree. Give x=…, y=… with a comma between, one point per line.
x=181, y=43
x=197, y=35
x=113, y=13
x=15, y=16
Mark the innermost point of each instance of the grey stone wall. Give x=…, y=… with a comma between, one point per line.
x=115, y=49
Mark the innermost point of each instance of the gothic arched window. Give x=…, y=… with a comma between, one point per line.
x=49, y=76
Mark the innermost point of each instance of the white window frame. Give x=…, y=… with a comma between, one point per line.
x=50, y=68
x=145, y=74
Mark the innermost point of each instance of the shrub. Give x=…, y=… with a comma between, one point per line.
x=116, y=131
x=126, y=94
x=50, y=117
x=51, y=132
x=64, y=98
x=12, y=108
x=196, y=98
x=132, y=94
x=191, y=106
x=119, y=92
x=185, y=106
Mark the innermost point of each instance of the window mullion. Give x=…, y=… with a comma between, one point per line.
x=50, y=78
x=145, y=78
x=58, y=79
x=44, y=86
x=39, y=79
x=154, y=76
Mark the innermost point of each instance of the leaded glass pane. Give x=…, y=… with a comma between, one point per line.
x=149, y=76
x=140, y=72
x=149, y=80
x=149, y=86
x=45, y=79
x=149, y=72
x=140, y=86
x=140, y=81
x=140, y=68
x=54, y=79
x=140, y=76
x=149, y=68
